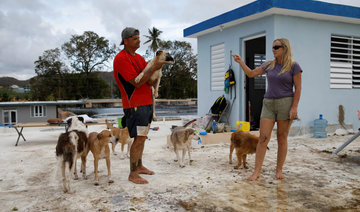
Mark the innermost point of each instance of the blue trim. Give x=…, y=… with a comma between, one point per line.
x=263, y=5
x=8, y=104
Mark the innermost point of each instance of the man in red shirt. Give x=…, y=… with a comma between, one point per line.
x=136, y=98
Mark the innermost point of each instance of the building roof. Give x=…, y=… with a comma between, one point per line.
x=261, y=8
x=60, y=102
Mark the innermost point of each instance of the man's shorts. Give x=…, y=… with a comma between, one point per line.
x=277, y=109
x=138, y=120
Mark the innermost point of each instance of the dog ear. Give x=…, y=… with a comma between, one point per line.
x=99, y=136
x=159, y=52
x=69, y=121
x=81, y=119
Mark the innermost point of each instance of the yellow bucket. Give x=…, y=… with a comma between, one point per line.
x=243, y=126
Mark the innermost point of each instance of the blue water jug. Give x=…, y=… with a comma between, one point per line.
x=214, y=126
x=320, y=125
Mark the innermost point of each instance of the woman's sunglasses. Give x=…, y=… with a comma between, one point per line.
x=277, y=47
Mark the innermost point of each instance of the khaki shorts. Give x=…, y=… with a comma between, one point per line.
x=277, y=109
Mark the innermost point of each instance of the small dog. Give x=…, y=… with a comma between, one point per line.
x=244, y=143
x=98, y=145
x=160, y=56
x=77, y=124
x=70, y=146
x=181, y=138
x=119, y=135
x=54, y=120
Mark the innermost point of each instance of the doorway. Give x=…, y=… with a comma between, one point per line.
x=9, y=116
x=254, y=87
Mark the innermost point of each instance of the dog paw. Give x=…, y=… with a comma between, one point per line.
x=236, y=167
x=230, y=162
x=96, y=183
x=110, y=181
x=246, y=167
x=175, y=160
x=71, y=191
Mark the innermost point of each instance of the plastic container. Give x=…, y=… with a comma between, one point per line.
x=243, y=126
x=119, y=120
x=214, y=126
x=320, y=125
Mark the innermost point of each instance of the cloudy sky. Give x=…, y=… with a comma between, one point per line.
x=29, y=27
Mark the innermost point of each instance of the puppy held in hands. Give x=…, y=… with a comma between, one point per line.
x=99, y=146
x=244, y=143
x=162, y=56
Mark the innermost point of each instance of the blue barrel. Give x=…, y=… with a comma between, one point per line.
x=320, y=125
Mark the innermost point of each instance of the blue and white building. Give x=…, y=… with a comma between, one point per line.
x=325, y=40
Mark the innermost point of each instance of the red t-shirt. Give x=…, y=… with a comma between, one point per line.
x=127, y=67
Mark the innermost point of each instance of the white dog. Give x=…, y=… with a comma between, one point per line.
x=160, y=56
x=72, y=145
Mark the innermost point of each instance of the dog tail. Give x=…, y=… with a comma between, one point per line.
x=187, y=124
x=109, y=126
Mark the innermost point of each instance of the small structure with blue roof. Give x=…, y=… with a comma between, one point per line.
x=32, y=111
x=325, y=40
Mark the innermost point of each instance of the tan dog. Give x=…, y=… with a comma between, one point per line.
x=55, y=120
x=156, y=76
x=99, y=146
x=120, y=136
x=244, y=143
x=64, y=114
x=181, y=138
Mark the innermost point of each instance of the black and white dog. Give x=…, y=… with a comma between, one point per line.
x=72, y=145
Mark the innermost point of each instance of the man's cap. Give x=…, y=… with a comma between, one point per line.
x=127, y=33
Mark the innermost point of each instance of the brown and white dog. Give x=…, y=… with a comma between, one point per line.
x=120, y=136
x=160, y=56
x=181, y=138
x=99, y=147
x=244, y=143
x=70, y=146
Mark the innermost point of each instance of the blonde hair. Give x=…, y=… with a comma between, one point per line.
x=287, y=60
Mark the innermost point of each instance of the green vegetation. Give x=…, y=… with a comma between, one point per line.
x=82, y=68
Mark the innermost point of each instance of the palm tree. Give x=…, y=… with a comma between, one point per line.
x=153, y=37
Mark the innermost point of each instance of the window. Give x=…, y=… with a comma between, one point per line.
x=9, y=116
x=345, y=62
x=259, y=81
x=38, y=111
x=217, y=67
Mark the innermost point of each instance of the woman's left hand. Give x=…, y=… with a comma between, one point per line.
x=293, y=113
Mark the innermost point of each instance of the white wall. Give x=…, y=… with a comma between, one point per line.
x=232, y=37
x=310, y=40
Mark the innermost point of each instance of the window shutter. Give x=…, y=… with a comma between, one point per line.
x=217, y=67
x=259, y=81
x=356, y=62
x=345, y=62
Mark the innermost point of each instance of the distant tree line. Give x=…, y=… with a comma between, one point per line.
x=71, y=72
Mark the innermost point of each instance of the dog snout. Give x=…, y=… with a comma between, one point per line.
x=168, y=57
